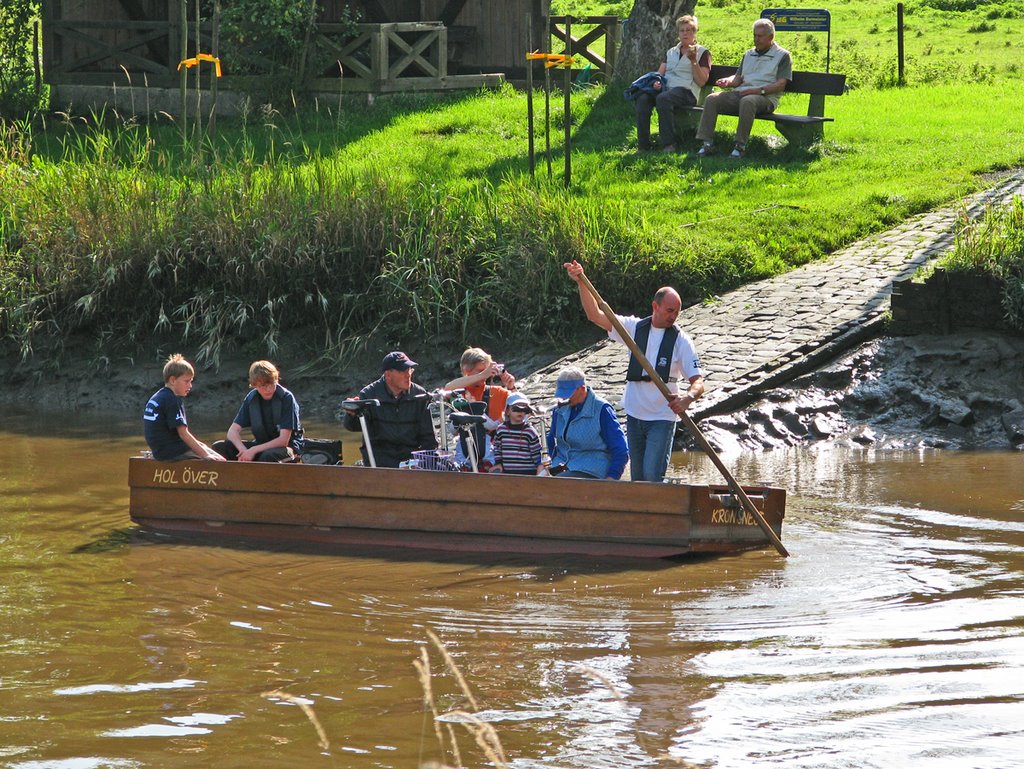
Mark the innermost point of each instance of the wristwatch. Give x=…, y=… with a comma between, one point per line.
x=762, y=92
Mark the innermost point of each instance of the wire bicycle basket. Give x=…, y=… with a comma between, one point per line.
x=437, y=460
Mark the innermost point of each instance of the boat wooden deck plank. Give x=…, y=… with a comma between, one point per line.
x=444, y=511
x=462, y=488
x=422, y=540
x=484, y=517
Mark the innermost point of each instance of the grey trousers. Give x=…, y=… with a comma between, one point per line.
x=665, y=102
x=732, y=103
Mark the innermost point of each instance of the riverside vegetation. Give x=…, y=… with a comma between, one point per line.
x=994, y=244
x=416, y=217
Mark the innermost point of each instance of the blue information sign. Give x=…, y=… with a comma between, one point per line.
x=803, y=20
x=799, y=19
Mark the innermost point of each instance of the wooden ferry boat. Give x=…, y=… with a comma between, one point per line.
x=358, y=506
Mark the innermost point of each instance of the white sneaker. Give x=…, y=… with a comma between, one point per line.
x=738, y=152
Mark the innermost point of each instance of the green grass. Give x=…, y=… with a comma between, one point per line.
x=944, y=40
x=417, y=217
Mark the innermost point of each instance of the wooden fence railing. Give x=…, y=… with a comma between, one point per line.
x=585, y=36
x=383, y=54
x=381, y=57
x=143, y=47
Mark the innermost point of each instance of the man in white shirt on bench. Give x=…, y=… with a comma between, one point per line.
x=764, y=72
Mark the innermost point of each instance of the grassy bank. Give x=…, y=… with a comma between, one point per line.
x=417, y=217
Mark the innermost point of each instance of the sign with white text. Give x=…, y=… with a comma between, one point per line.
x=803, y=20
x=799, y=19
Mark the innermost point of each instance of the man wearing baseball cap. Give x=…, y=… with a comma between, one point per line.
x=585, y=439
x=401, y=424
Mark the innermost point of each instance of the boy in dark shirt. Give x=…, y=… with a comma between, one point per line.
x=272, y=413
x=164, y=422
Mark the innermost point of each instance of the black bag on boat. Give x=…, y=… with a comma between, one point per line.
x=316, y=451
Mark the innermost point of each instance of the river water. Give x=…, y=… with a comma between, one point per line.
x=893, y=636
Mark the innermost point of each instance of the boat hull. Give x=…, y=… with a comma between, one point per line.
x=357, y=506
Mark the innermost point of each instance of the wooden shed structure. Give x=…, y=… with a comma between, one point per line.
x=96, y=47
x=483, y=35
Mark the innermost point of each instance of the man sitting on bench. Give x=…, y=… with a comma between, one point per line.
x=762, y=77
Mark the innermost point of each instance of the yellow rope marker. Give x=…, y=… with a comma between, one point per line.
x=552, y=59
x=557, y=60
x=194, y=62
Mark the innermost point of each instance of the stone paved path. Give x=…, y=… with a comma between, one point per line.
x=772, y=331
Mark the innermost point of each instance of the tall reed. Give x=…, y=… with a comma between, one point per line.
x=115, y=242
x=483, y=734
x=415, y=218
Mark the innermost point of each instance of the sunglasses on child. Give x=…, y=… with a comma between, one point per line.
x=520, y=409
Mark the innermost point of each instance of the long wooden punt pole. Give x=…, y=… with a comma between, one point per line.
x=690, y=424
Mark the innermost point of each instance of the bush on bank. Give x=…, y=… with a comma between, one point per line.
x=18, y=95
x=994, y=244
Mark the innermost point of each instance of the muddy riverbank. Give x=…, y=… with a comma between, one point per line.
x=81, y=383
x=961, y=391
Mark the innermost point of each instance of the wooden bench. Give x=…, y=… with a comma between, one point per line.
x=799, y=130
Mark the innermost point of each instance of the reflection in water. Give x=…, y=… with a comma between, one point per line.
x=891, y=636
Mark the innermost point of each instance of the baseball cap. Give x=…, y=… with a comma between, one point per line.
x=520, y=400
x=566, y=387
x=397, y=361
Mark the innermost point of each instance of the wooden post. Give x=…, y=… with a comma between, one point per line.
x=567, y=103
x=199, y=80
x=611, y=49
x=547, y=95
x=306, y=42
x=183, y=73
x=529, y=97
x=50, y=55
x=35, y=59
x=828, y=47
x=214, y=80
x=442, y=53
x=901, y=79
x=379, y=56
